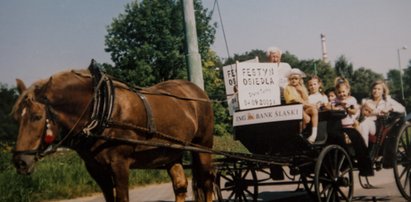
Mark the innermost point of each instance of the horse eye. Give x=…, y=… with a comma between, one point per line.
x=35, y=117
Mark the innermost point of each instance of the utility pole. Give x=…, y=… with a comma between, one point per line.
x=193, y=58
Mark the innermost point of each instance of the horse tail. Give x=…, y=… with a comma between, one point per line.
x=202, y=177
x=198, y=192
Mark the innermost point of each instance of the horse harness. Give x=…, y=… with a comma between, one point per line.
x=102, y=104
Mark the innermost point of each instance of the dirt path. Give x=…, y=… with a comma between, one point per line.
x=384, y=181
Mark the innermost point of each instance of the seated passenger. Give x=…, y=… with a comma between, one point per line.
x=349, y=103
x=380, y=103
x=274, y=56
x=367, y=125
x=295, y=92
x=332, y=97
x=346, y=102
x=317, y=96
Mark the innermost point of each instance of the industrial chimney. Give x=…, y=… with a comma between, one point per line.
x=324, y=49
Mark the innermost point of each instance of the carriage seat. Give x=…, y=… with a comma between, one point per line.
x=384, y=125
x=327, y=119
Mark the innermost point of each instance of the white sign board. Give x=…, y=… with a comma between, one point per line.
x=230, y=78
x=230, y=82
x=258, y=85
x=230, y=75
x=270, y=114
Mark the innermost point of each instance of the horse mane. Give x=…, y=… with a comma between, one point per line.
x=29, y=95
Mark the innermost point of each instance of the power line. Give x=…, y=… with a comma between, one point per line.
x=222, y=27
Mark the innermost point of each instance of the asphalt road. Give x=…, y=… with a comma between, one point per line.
x=384, y=182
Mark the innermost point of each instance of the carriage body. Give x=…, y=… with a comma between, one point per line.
x=279, y=147
x=282, y=143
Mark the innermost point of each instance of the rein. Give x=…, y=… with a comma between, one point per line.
x=50, y=116
x=101, y=115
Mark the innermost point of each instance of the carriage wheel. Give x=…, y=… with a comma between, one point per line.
x=402, y=162
x=236, y=182
x=333, y=178
x=309, y=185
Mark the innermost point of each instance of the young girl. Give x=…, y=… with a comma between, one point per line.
x=316, y=96
x=295, y=92
x=349, y=104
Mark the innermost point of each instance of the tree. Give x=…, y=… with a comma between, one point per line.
x=146, y=43
x=319, y=68
x=407, y=86
x=361, y=82
x=8, y=127
x=214, y=86
x=393, y=77
x=290, y=59
x=247, y=56
x=343, y=67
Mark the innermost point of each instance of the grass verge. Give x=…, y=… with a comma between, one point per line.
x=63, y=176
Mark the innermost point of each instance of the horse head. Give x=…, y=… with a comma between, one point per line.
x=42, y=112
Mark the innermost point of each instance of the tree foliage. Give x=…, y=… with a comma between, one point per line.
x=214, y=86
x=246, y=56
x=8, y=127
x=361, y=82
x=343, y=67
x=146, y=43
x=318, y=68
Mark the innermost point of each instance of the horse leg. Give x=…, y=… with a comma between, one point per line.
x=179, y=180
x=203, y=177
x=120, y=176
x=103, y=179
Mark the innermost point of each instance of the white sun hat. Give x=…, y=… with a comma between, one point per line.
x=295, y=71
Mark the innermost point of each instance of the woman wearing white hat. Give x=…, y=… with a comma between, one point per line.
x=296, y=92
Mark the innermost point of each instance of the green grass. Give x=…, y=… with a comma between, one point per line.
x=63, y=175
x=227, y=143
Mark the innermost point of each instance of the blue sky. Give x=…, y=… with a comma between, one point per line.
x=40, y=38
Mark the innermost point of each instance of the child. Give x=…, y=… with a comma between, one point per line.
x=295, y=92
x=316, y=96
x=332, y=97
x=349, y=103
x=367, y=126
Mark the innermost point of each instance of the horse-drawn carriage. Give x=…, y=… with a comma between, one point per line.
x=324, y=169
x=114, y=127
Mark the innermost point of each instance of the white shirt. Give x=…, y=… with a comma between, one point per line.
x=384, y=105
x=283, y=69
x=317, y=98
x=349, y=120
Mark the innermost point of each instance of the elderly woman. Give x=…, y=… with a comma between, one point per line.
x=380, y=103
x=296, y=92
x=274, y=56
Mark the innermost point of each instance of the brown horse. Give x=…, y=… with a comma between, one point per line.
x=70, y=110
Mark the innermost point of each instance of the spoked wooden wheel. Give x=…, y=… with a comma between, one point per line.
x=309, y=185
x=333, y=178
x=237, y=182
x=402, y=162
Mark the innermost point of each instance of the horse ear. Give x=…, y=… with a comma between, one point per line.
x=21, y=87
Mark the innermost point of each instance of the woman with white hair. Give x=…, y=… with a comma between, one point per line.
x=274, y=56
